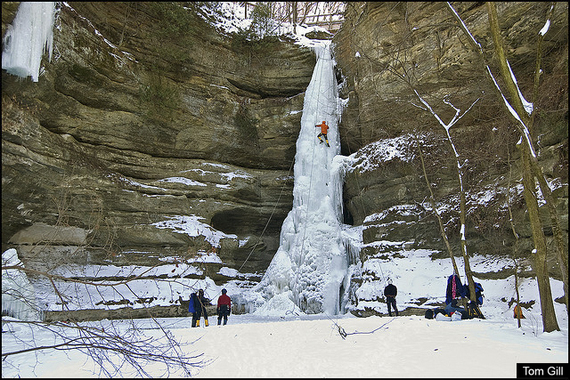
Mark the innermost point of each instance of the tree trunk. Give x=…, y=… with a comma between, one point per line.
x=518, y=304
x=515, y=246
x=531, y=167
x=561, y=252
x=530, y=163
x=539, y=255
x=462, y=202
x=294, y=15
x=468, y=272
x=433, y=205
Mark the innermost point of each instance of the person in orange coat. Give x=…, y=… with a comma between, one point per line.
x=324, y=128
x=224, y=307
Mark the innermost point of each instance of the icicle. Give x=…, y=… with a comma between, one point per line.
x=26, y=39
x=18, y=294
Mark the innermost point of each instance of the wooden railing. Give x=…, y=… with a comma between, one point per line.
x=332, y=24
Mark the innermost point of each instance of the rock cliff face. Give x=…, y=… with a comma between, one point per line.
x=147, y=114
x=386, y=51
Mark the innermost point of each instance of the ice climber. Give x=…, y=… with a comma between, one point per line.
x=324, y=128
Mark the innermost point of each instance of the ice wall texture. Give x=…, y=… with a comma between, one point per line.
x=310, y=266
x=27, y=38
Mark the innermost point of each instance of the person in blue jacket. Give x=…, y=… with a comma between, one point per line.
x=199, y=303
x=454, y=289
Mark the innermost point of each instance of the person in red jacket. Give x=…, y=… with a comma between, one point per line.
x=224, y=307
x=324, y=128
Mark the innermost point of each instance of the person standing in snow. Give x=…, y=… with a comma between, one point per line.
x=224, y=307
x=324, y=128
x=390, y=291
x=200, y=303
x=454, y=290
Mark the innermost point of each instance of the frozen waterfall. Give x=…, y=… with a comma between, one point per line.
x=26, y=39
x=309, y=270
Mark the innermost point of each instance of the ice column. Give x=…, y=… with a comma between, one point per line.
x=310, y=266
x=26, y=39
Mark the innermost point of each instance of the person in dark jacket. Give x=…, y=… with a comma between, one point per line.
x=390, y=291
x=224, y=307
x=454, y=289
x=200, y=303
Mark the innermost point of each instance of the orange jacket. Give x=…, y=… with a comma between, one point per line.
x=324, y=127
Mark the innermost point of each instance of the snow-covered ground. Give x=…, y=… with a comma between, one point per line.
x=276, y=342
x=316, y=346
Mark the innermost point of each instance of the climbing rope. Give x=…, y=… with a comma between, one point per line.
x=266, y=224
x=302, y=256
x=292, y=162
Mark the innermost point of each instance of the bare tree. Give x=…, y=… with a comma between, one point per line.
x=434, y=207
x=405, y=71
x=112, y=348
x=523, y=114
x=516, y=245
x=459, y=169
x=107, y=344
x=300, y=12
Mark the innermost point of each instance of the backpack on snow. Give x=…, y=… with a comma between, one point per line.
x=431, y=313
x=518, y=312
x=478, y=293
x=191, y=308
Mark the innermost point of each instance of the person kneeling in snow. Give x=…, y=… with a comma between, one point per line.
x=452, y=308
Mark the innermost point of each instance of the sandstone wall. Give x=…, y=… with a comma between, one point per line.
x=385, y=51
x=147, y=112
